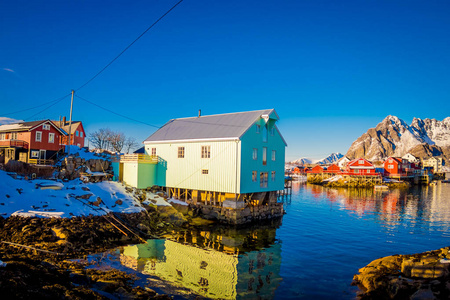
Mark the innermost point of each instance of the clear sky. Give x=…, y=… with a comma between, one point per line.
x=331, y=69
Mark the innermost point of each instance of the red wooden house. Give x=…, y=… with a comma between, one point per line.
x=360, y=166
x=33, y=142
x=397, y=166
x=317, y=169
x=77, y=135
x=333, y=169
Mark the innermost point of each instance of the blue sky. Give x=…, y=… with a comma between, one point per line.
x=331, y=69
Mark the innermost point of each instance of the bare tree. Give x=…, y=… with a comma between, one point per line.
x=130, y=143
x=117, y=141
x=101, y=138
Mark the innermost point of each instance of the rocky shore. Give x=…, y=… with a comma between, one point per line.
x=36, y=253
x=417, y=277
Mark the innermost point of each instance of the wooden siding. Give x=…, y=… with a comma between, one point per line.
x=273, y=142
x=187, y=172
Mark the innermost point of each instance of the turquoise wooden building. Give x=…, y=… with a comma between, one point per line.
x=223, y=160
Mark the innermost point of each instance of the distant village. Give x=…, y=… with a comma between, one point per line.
x=360, y=170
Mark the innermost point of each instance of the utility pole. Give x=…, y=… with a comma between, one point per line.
x=70, y=123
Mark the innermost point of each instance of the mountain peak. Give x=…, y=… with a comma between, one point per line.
x=393, y=137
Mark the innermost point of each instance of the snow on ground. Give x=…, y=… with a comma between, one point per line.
x=48, y=198
x=86, y=154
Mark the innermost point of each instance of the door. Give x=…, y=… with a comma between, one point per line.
x=42, y=154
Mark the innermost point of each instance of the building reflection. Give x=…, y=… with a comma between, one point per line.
x=431, y=203
x=220, y=264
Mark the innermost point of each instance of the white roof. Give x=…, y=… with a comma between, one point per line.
x=223, y=126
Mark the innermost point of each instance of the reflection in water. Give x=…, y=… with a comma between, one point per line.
x=418, y=204
x=240, y=264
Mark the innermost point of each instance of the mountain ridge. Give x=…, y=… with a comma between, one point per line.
x=394, y=137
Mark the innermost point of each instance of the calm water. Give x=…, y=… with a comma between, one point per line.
x=322, y=241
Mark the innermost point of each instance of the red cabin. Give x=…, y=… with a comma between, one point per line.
x=317, y=169
x=360, y=166
x=333, y=169
x=397, y=166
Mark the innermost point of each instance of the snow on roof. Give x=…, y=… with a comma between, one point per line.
x=224, y=126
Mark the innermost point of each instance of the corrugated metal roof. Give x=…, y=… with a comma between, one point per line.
x=232, y=125
x=25, y=126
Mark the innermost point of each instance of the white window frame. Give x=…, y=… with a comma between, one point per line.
x=45, y=126
x=255, y=154
x=38, y=134
x=14, y=135
x=274, y=155
x=2, y=136
x=51, y=137
x=35, y=154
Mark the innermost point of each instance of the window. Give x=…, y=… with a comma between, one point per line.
x=272, y=175
x=263, y=179
x=265, y=134
x=38, y=136
x=34, y=153
x=258, y=128
x=274, y=154
x=76, y=133
x=180, y=152
x=272, y=131
x=390, y=166
x=81, y=133
x=205, y=172
x=361, y=161
x=2, y=136
x=264, y=156
x=206, y=151
x=255, y=154
x=254, y=176
x=46, y=127
x=14, y=136
x=368, y=171
x=51, y=137
x=153, y=151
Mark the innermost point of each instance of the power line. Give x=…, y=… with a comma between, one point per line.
x=123, y=51
x=123, y=116
x=56, y=102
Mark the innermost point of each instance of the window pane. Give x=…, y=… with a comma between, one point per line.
x=264, y=156
x=255, y=154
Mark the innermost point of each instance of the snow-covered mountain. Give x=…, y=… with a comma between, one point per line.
x=330, y=159
x=393, y=137
x=303, y=161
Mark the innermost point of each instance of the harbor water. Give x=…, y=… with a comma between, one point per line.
x=326, y=235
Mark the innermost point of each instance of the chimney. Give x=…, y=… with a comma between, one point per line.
x=64, y=120
x=199, y=113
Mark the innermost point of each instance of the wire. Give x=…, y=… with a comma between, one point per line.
x=35, y=106
x=123, y=51
x=57, y=101
x=123, y=116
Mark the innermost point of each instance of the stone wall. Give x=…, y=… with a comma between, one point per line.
x=238, y=216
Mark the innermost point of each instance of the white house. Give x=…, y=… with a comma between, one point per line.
x=226, y=160
x=411, y=158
